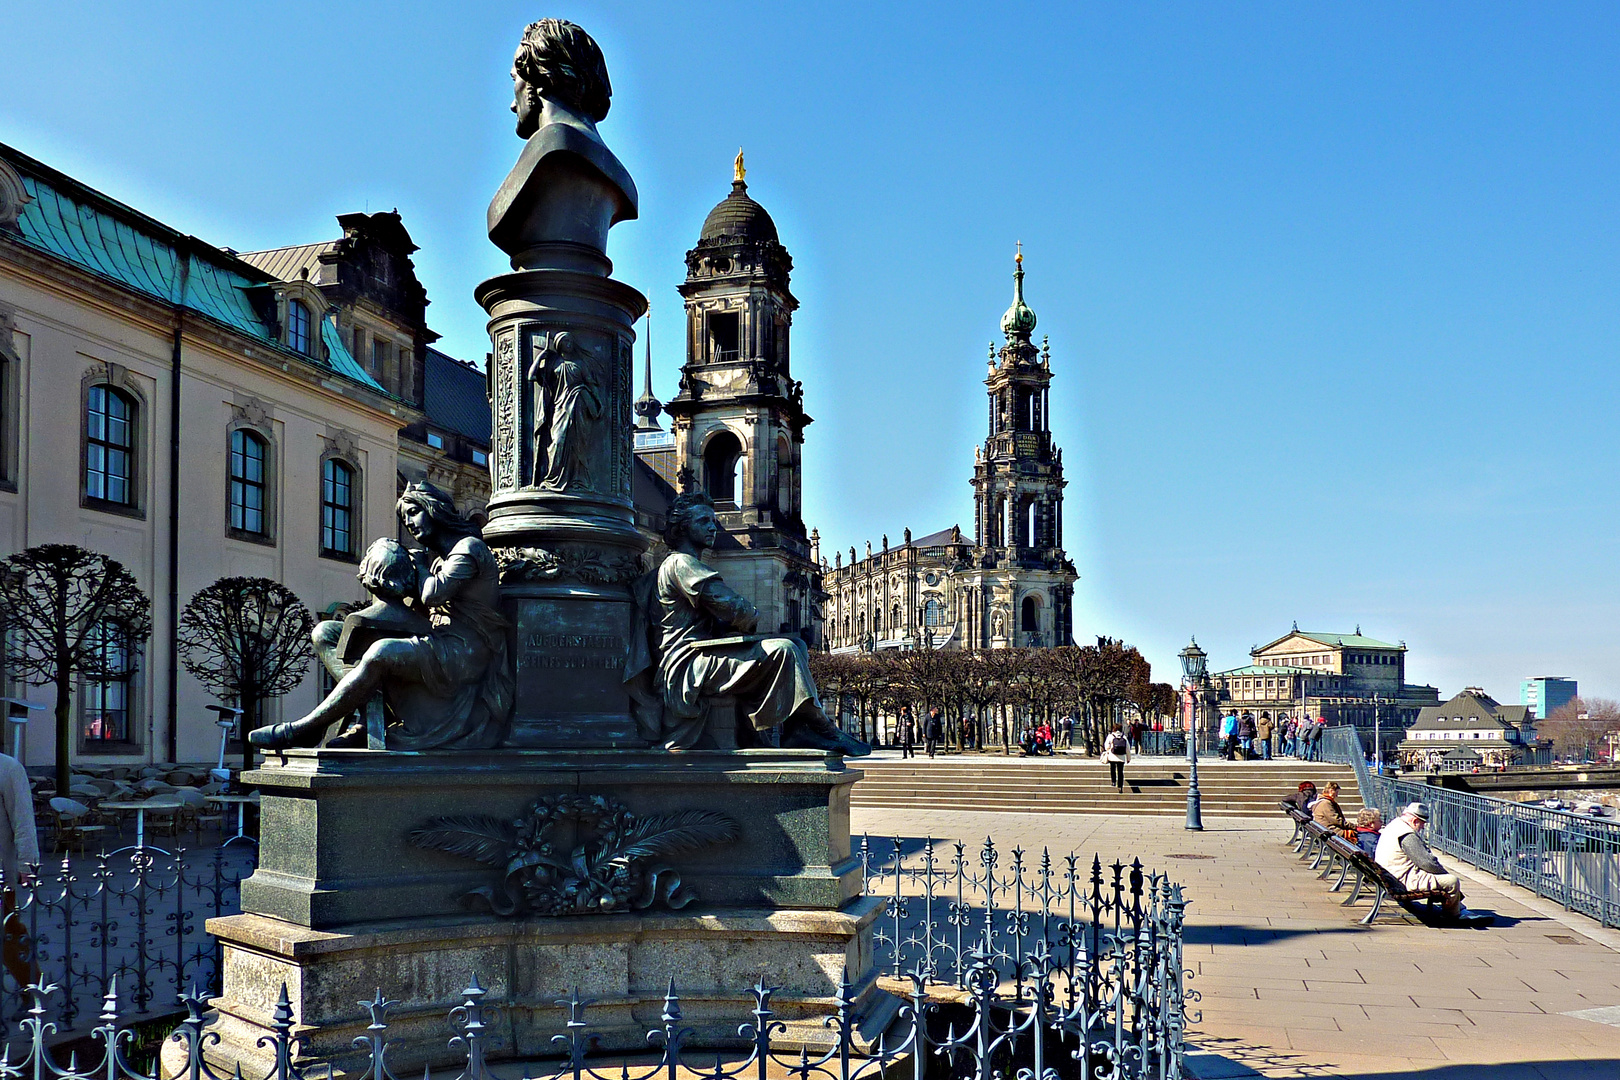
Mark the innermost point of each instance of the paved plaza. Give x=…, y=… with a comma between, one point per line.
x=1292, y=987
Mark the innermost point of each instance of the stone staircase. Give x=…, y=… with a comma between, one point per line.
x=1075, y=785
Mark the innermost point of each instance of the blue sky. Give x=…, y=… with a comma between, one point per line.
x=1332, y=289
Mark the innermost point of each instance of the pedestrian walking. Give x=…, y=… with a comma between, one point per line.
x=1229, y=735
x=1117, y=751
x=1262, y=737
x=1246, y=730
x=1067, y=724
x=907, y=748
x=1316, y=730
x=933, y=731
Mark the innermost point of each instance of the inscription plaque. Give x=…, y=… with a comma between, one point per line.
x=570, y=654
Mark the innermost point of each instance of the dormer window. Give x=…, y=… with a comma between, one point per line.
x=435, y=440
x=298, y=327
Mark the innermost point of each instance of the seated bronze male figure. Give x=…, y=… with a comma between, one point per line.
x=705, y=646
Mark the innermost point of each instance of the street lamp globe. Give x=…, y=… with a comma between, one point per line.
x=1194, y=662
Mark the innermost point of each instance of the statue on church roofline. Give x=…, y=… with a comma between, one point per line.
x=567, y=189
x=699, y=644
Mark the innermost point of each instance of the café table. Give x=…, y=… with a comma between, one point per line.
x=241, y=803
x=139, y=807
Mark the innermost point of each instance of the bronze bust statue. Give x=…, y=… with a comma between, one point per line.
x=567, y=189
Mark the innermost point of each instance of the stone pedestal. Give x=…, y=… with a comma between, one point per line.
x=622, y=964
x=561, y=516
x=344, y=903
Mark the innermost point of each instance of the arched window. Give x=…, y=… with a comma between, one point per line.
x=1031, y=621
x=337, y=508
x=1032, y=523
x=877, y=621
x=863, y=624
x=722, y=464
x=933, y=612
x=298, y=326
x=247, y=483
x=895, y=621
x=784, y=476
x=109, y=460
x=104, y=700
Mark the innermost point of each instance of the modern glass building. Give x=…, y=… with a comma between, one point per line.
x=1545, y=694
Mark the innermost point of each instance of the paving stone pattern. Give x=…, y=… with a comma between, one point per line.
x=1292, y=987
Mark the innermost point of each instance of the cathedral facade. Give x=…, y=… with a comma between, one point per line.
x=1008, y=583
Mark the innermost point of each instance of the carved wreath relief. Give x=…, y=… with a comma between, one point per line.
x=591, y=565
x=577, y=855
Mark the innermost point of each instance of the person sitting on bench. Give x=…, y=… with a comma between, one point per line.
x=1369, y=823
x=1404, y=853
x=1302, y=799
x=1326, y=812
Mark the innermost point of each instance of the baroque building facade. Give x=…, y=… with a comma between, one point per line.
x=1009, y=584
x=737, y=419
x=197, y=414
x=1347, y=678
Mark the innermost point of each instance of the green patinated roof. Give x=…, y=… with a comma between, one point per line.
x=84, y=227
x=1349, y=641
x=1255, y=669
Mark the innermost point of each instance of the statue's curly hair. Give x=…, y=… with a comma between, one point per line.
x=559, y=60
x=680, y=512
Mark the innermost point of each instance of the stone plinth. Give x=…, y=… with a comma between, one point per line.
x=624, y=963
x=336, y=825
x=344, y=904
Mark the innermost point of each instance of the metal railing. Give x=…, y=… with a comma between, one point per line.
x=1104, y=941
x=1566, y=857
x=136, y=918
x=1049, y=961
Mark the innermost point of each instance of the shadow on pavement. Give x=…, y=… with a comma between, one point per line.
x=1230, y=1059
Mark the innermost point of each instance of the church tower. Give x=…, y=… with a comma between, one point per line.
x=739, y=418
x=1025, y=583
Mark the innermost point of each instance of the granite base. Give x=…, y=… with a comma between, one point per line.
x=623, y=964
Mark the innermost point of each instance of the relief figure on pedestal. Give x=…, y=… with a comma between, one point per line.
x=568, y=414
x=701, y=645
x=434, y=641
x=567, y=189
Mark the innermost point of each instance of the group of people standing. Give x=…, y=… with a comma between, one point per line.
x=1299, y=737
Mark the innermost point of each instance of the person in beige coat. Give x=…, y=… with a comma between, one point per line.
x=19, y=850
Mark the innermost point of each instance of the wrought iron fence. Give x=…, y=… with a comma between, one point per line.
x=136, y=919
x=1566, y=857
x=991, y=1031
x=1056, y=967
x=1104, y=941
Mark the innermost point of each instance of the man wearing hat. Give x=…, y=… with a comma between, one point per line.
x=1403, y=852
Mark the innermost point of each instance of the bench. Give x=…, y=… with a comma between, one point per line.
x=1320, y=844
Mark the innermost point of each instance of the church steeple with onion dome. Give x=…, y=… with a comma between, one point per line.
x=1018, y=477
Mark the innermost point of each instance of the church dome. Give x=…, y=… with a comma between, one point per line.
x=738, y=217
x=1019, y=321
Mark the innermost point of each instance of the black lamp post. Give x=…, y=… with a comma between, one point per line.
x=1194, y=674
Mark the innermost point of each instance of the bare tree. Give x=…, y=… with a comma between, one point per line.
x=246, y=639
x=70, y=612
x=1577, y=728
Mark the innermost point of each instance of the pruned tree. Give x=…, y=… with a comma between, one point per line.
x=246, y=639
x=70, y=613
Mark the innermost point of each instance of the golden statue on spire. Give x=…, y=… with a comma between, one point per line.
x=1019, y=258
x=738, y=165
